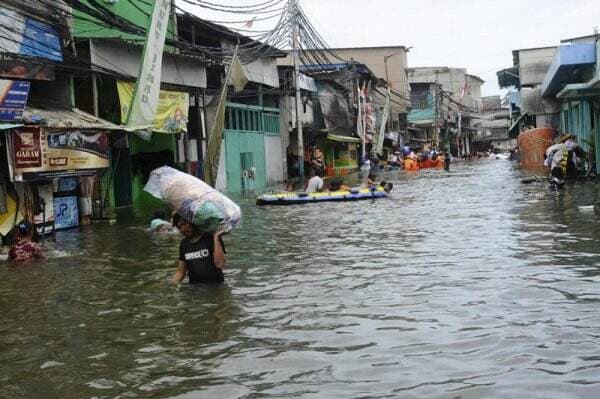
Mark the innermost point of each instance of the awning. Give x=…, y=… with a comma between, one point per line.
x=343, y=139
x=6, y=126
x=66, y=118
x=578, y=90
x=509, y=77
x=422, y=123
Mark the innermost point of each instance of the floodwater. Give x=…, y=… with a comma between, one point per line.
x=466, y=284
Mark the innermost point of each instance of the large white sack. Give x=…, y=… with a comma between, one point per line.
x=194, y=200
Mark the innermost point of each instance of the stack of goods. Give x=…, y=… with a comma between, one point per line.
x=194, y=200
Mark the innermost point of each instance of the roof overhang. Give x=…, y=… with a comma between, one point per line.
x=568, y=60
x=422, y=122
x=342, y=139
x=508, y=77
x=66, y=118
x=579, y=90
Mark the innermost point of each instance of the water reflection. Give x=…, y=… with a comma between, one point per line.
x=463, y=284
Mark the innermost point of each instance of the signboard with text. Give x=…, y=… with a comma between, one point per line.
x=13, y=99
x=66, y=212
x=39, y=154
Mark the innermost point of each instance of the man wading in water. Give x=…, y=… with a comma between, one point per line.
x=201, y=255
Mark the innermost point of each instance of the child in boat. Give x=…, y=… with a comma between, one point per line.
x=337, y=184
x=290, y=188
x=25, y=250
x=371, y=180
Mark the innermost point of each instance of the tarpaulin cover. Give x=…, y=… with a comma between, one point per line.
x=194, y=200
x=335, y=109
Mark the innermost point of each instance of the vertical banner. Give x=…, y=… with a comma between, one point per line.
x=145, y=100
x=384, y=119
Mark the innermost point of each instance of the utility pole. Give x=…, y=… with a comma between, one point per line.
x=436, y=132
x=295, y=52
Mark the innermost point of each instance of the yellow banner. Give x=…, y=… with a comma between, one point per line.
x=172, y=112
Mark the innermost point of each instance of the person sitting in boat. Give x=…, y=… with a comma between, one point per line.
x=290, y=187
x=337, y=184
x=315, y=184
x=371, y=180
x=394, y=160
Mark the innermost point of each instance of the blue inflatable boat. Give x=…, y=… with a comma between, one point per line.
x=326, y=196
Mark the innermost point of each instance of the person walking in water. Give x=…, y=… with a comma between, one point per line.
x=25, y=250
x=201, y=255
x=447, y=161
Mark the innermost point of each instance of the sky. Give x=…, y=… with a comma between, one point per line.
x=475, y=34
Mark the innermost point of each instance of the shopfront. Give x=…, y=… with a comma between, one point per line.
x=341, y=154
x=55, y=168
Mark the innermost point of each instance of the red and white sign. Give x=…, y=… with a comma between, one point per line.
x=28, y=148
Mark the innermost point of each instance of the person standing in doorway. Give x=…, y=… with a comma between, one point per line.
x=317, y=162
x=201, y=255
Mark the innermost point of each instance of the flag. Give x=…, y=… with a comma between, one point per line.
x=213, y=151
x=384, y=118
x=238, y=77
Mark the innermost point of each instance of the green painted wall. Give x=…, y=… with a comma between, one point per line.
x=138, y=12
x=160, y=142
x=580, y=119
x=237, y=143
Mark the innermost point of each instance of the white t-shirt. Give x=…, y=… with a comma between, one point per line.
x=314, y=184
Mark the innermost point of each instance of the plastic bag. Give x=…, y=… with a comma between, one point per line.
x=194, y=200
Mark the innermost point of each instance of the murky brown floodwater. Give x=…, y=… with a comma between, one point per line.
x=464, y=285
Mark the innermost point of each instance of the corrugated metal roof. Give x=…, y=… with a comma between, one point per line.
x=63, y=118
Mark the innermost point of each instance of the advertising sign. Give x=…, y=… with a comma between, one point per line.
x=172, y=111
x=66, y=212
x=13, y=99
x=38, y=153
x=67, y=184
x=26, y=36
x=27, y=148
